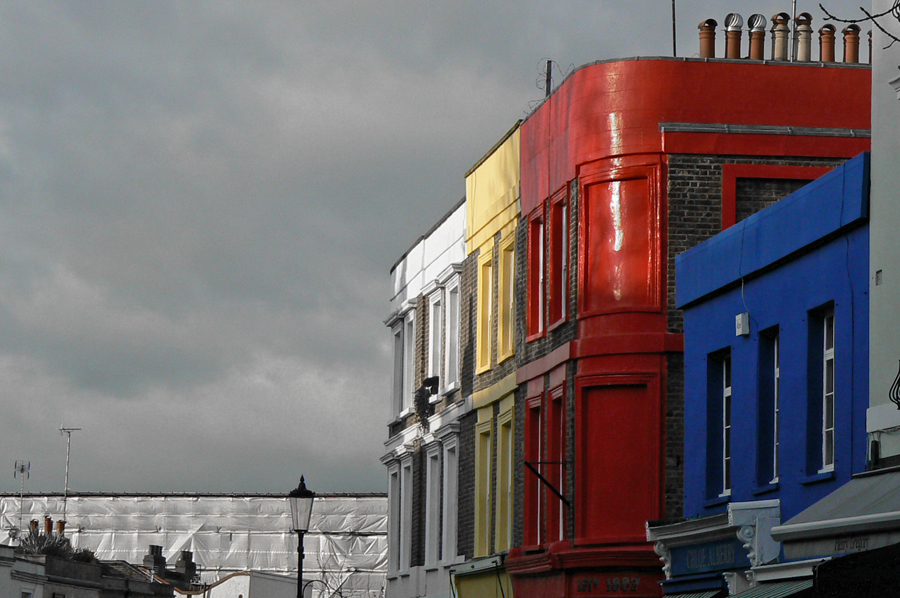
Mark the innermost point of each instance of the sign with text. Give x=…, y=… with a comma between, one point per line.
x=721, y=555
x=619, y=583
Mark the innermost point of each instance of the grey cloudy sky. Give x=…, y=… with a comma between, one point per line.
x=200, y=203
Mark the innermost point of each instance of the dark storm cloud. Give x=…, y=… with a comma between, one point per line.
x=200, y=202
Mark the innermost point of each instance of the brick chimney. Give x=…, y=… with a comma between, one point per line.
x=155, y=561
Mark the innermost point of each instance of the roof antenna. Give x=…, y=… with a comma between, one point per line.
x=549, y=83
x=64, y=430
x=23, y=470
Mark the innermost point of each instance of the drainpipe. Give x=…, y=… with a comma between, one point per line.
x=780, y=32
x=757, y=25
x=708, y=38
x=804, y=37
x=733, y=24
x=826, y=43
x=851, y=44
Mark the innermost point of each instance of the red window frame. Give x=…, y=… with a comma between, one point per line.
x=533, y=435
x=732, y=172
x=556, y=457
x=536, y=295
x=558, y=259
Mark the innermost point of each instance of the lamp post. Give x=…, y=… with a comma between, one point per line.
x=301, y=500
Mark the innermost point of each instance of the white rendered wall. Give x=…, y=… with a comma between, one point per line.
x=884, y=310
x=428, y=258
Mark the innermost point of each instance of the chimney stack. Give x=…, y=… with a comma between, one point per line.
x=826, y=43
x=708, y=38
x=757, y=25
x=155, y=561
x=851, y=44
x=780, y=33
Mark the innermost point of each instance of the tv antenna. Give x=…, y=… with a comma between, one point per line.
x=23, y=470
x=67, y=431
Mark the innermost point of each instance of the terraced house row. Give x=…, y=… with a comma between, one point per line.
x=634, y=358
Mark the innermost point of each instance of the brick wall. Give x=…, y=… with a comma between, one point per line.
x=674, y=436
x=466, y=522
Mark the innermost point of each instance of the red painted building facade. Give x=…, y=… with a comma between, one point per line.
x=627, y=164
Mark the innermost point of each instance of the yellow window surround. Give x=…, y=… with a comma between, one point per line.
x=485, y=307
x=506, y=308
x=483, y=494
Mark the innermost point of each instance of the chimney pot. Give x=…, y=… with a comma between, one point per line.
x=708, y=38
x=826, y=43
x=757, y=25
x=804, y=37
x=733, y=24
x=780, y=33
x=851, y=44
x=60, y=528
x=48, y=525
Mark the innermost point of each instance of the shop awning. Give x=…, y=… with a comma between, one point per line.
x=702, y=594
x=861, y=515
x=778, y=589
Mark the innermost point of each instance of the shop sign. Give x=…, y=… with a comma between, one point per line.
x=722, y=555
x=618, y=583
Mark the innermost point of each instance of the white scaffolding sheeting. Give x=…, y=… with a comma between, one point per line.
x=346, y=547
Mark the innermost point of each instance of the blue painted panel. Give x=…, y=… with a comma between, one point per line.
x=837, y=200
x=831, y=272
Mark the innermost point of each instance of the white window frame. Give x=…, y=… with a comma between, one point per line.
x=409, y=363
x=726, y=425
x=776, y=396
x=450, y=446
x=399, y=371
x=828, y=398
x=433, y=476
x=395, y=494
x=451, y=349
x=406, y=491
x=564, y=260
x=435, y=337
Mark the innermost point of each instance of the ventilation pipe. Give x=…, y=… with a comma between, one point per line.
x=870, y=46
x=804, y=37
x=780, y=34
x=826, y=43
x=708, y=38
x=757, y=24
x=851, y=44
x=733, y=24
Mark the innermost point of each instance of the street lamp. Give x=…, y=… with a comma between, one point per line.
x=301, y=500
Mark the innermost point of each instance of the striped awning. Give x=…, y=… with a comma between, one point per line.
x=700, y=594
x=778, y=589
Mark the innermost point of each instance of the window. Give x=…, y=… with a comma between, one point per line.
x=555, y=470
x=397, y=406
x=821, y=391
x=769, y=393
x=450, y=499
x=483, y=494
x=828, y=391
x=394, y=528
x=409, y=364
x=485, y=308
x=27, y=594
x=535, y=314
x=433, y=506
x=451, y=368
x=557, y=294
x=718, y=444
x=406, y=491
x=435, y=342
x=507, y=306
x=533, y=431
x=505, y=452
x=726, y=426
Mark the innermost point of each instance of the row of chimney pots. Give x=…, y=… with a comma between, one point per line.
x=781, y=33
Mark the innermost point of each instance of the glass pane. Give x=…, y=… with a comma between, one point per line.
x=829, y=412
x=727, y=365
x=829, y=376
x=828, y=457
x=829, y=332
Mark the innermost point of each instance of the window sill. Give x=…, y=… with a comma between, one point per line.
x=432, y=567
x=765, y=489
x=435, y=399
x=502, y=358
x=453, y=386
x=717, y=501
x=822, y=476
x=557, y=324
x=535, y=336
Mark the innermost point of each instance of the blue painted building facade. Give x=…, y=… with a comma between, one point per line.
x=776, y=378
